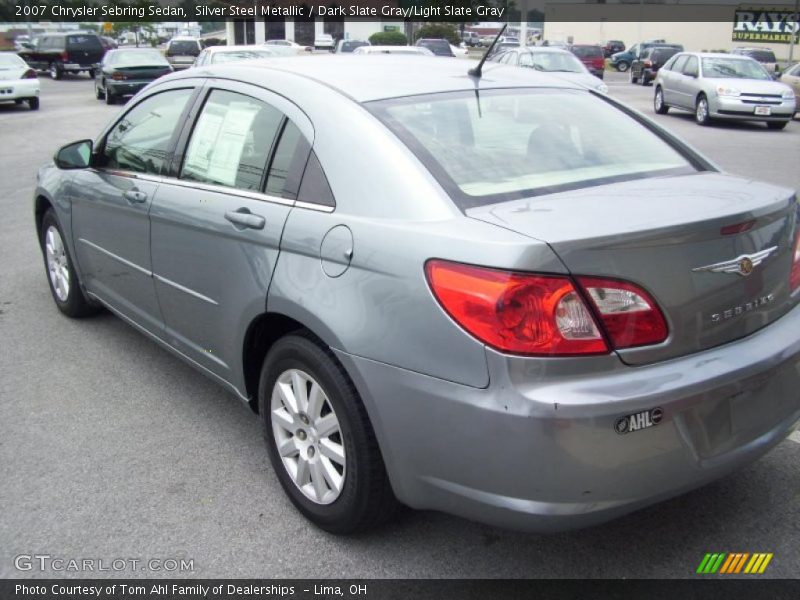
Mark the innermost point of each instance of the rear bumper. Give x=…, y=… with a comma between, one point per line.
x=125, y=88
x=537, y=449
x=18, y=89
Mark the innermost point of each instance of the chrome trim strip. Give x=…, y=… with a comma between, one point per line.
x=171, y=348
x=317, y=207
x=218, y=189
x=186, y=290
x=127, y=263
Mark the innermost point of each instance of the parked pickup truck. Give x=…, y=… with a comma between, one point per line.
x=59, y=53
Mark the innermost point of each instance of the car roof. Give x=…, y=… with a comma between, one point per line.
x=550, y=49
x=378, y=77
x=238, y=48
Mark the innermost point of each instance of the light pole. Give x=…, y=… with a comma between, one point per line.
x=795, y=32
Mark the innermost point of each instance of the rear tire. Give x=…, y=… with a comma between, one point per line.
x=701, y=111
x=64, y=284
x=33, y=103
x=658, y=102
x=633, y=77
x=622, y=66
x=110, y=98
x=55, y=71
x=98, y=93
x=778, y=125
x=360, y=496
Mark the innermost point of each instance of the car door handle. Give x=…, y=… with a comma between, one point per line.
x=135, y=196
x=243, y=218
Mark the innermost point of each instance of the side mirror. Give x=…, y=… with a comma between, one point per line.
x=77, y=155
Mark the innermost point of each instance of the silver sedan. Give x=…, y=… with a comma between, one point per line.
x=722, y=86
x=503, y=296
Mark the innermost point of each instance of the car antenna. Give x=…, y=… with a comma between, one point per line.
x=478, y=70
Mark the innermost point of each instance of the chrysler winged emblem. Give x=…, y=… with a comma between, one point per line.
x=743, y=265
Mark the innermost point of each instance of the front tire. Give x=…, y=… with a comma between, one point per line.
x=110, y=98
x=658, y=102
x=701, y=111
x=633, y=78
x=622, y=66
x=61, y=276
x=98, y=93
x=33, y=103
x=777, y=124
x=319, y=438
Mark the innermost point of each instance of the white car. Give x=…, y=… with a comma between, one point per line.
x=289, y=45
x=18, y=82
x=460, y=51
x=415, y=50
x=324, y=41
x=215, y=55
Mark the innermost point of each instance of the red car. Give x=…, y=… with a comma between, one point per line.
x=592, y=56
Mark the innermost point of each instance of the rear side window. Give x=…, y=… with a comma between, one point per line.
x=517, y=143
x=287, y=164
x=140, y=141
x=315, y=188
x=231, y=141
x=84, y=42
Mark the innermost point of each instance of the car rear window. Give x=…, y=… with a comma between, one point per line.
x=438, y=47
x=588, y=51
x=350, y=46
x=762, y=55
x=508, y=144
x=83, y=42
x=185, y=47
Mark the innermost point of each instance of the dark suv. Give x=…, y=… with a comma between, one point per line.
x=438, y=47
x=60, y=53
x=644, y=69
x=591, y=55
x=612, y=47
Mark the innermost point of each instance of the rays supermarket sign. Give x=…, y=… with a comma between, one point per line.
x=765, y=25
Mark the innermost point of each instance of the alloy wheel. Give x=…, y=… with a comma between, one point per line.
x=57, y=265
x=308, y=436
x=701, y=113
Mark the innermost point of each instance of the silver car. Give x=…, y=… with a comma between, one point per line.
x=505, y=297
x=561, y=63
x=722, y=86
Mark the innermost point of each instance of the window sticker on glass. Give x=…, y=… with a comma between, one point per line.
x=219, y=141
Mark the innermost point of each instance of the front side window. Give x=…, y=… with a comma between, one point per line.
x=140, y=141
x=231, y=141
x=680, y=63
x=691, y=66
x=508, y=144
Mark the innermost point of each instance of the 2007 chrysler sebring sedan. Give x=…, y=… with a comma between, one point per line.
x=507, y=297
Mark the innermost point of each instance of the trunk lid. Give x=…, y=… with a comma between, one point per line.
x=665, y=235
x=144, y=72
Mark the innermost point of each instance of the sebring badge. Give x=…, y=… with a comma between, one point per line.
x=743, y=265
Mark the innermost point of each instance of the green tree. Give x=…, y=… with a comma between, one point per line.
x=445, y=31
x=388, y=38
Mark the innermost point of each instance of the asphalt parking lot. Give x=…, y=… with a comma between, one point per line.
x=112, y=448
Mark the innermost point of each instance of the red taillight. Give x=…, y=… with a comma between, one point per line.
x=118, y=76
x=65, y=56
x=794, y=276
x=518, y=313
x=29, y=74
x=648, y=63
x=629, y=315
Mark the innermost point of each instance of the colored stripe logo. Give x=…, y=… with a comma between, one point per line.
x=734, y=563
